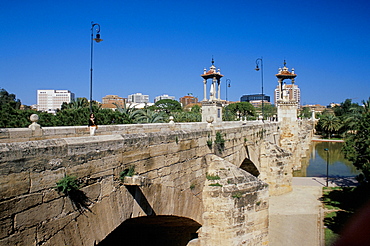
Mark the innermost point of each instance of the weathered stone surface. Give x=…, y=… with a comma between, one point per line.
x=174, y=161
x=35, y=215
x=26, y=237
x=45, y=180
x=21, y=203
x=6, y=227
x=15, y=184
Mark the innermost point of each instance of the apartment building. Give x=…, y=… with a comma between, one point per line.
x=185, y=100
x=51, y=100
x=164, y=96
x=294, y=93
x=138, y=98
x=110, y=101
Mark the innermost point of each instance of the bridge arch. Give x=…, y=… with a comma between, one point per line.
x=250, y=167
x=163, y=230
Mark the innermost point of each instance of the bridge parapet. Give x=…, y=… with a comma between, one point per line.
x=9, y=135
x=173, y=162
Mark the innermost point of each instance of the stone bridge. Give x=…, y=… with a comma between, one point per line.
x=194, y=183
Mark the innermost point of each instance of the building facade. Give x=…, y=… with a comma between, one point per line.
x=255, y=97
x=110, y=101
x=51, y=100
x=188, y=100
x=138, y=98
x=293, y=93
x=164, y=96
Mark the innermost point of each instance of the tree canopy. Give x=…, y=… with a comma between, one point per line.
x=357, y=143
x=167, y=105
x=241, y=109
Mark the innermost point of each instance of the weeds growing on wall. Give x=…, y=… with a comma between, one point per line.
x=212, y=177
x=129, y=172
x=220, y=141
x=70, y=186
x=237, y=195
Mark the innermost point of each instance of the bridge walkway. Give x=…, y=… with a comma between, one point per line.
x=296, y=218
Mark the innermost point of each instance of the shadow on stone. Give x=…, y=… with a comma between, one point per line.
x=141, y=200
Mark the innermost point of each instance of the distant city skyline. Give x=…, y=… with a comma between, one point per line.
x=162, y=48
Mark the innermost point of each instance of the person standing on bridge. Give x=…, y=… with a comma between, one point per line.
x=93, y=124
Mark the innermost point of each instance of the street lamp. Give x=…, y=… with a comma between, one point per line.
x=228, y=81
x=327, y=166
x=98, y=40
x=259, y=61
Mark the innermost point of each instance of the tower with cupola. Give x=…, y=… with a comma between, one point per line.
x=211, y=106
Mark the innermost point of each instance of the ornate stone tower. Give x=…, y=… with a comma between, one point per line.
x=212, y=107
x=287, y=106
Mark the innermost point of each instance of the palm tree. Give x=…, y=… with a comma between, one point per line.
x=366, y=105
x=129, y=114
x=350, y=121
x=330, y=123
x=149, y=116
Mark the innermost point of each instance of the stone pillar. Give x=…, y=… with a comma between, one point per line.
x=287, y=116
x=211, y=110
x=212, y=96
x=219, y=89
x=205, y=90
x=280, y=82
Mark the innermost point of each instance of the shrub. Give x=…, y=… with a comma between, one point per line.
x=68, y=184
x=127, y=172
x=212, y=177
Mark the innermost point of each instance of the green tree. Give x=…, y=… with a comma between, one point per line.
x=187, y=116
x=329, y=124
x=241, y=109
x=305, y=113
x=9, y=100
x=269, y=110
x=80, y=102
x=11, y=116
x=149, y=116
x=127, y=114
x=196, y=109
x=357, y=143
x=167, y=105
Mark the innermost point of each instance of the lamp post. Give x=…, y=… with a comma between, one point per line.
x=98, y=40
x=228, y=81
x=259, y=61
x=327, y=166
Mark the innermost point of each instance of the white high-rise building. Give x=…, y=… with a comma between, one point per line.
x=164, y=96
x=138, y=98
x=294, y=93
x=51, y=100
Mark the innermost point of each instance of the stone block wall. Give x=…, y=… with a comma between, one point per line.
x=235, y=205
x=173, y=163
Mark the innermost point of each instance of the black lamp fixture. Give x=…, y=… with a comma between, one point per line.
x=228, y=81
x=327, y=166
x=259, y=61
x=98, y=40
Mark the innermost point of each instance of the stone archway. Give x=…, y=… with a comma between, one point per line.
x=153, y=230
x=248, y=165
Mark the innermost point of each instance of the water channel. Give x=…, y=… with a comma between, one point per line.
x=315, y=164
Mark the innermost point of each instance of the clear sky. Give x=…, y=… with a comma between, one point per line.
x=161, y=47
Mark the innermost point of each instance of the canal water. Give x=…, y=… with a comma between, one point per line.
x=314, y=165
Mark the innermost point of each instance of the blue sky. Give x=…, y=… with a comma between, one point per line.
x=162, y=47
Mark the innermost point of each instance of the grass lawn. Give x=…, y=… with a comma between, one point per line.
x=340, y=203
